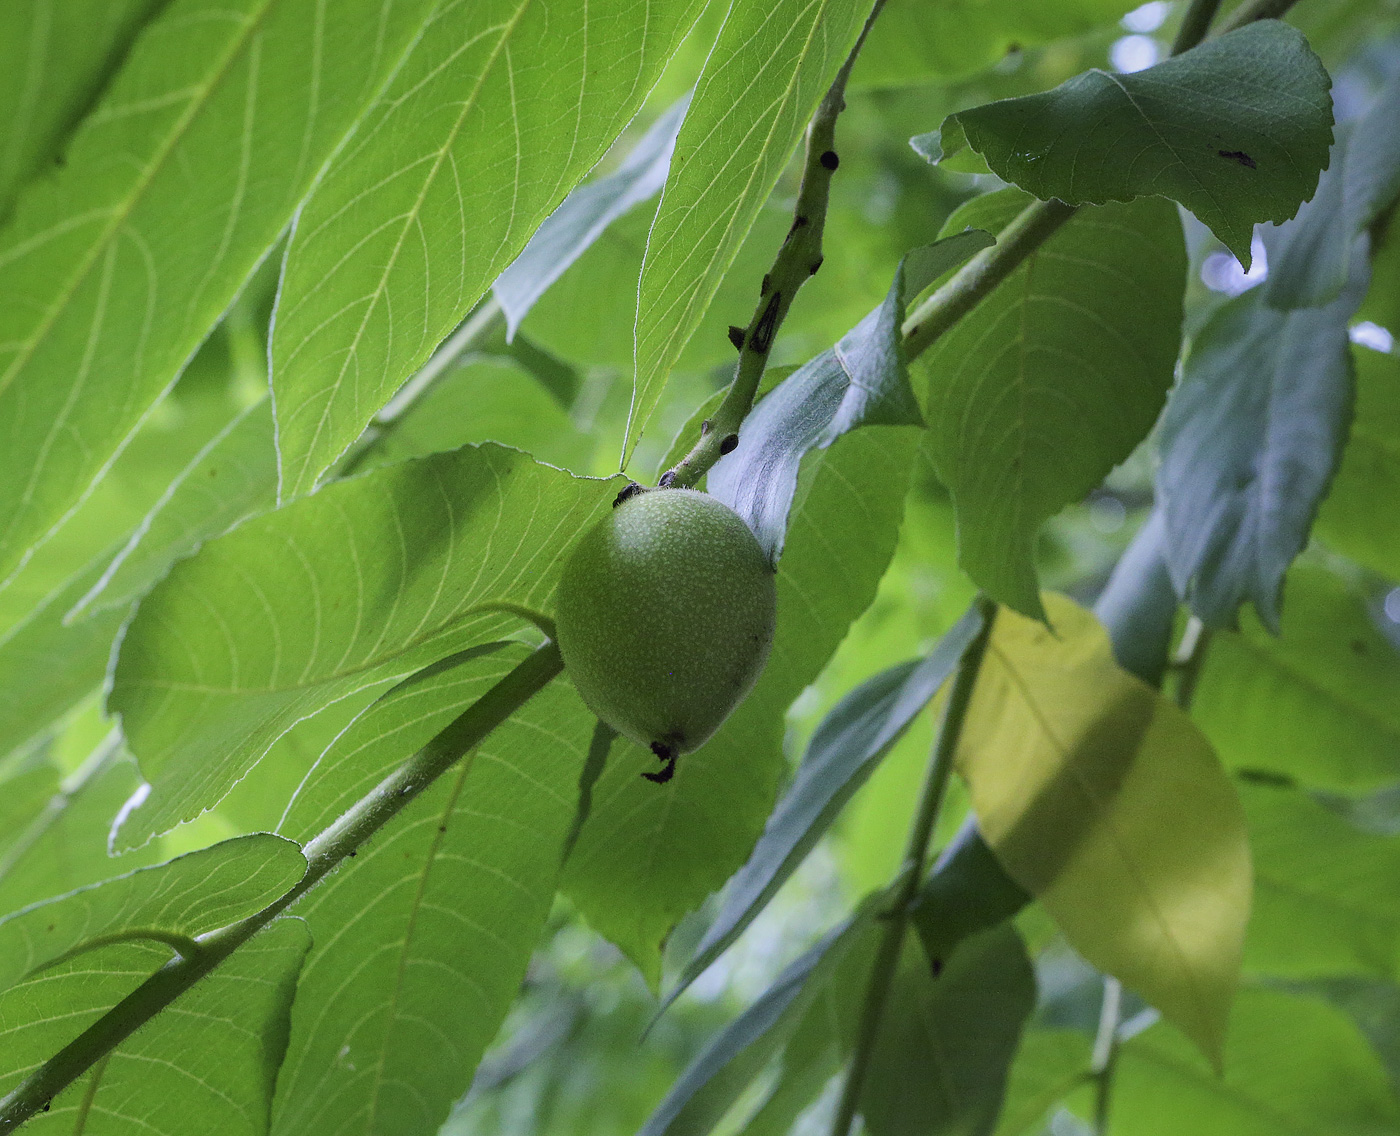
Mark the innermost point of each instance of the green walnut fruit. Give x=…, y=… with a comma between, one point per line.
x=665, y=614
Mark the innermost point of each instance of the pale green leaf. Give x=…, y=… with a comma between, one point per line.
x=371, y=579
x=170, y=904
x=1200, y=128
x=423, y=939
x=207, y=1064
x=1052, y=380
x=475, y=142
x=761, y=83
x=648, y=853
x=1104, y=801
x=1049, y=1064
x=1319, y=703
x=114, y=270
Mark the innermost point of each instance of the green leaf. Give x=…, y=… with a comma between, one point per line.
x=54, y=60
x=649, y=854
x=714, y=1081
x=371, y=579
x=1319, y=703
x=208, y=1064
x=914, y=41
x=1200, y=128
x=967, y=892
x=1310, y=259
x=862, y=381
x=422, y=941
x=175, y=187
x=1326, y=894
x=1249, y=443
x=1052, y=380
x=1292, y=1065
x=1367, y=484
x=844, y=751
x=1103, y=800
x=169, y=904
x=940, y=1062
x=442, y=185
x=1138, y=604
x=1048, y=1066
x=585, y=214
x=761, y=83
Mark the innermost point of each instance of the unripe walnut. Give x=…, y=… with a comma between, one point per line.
x=665, y=613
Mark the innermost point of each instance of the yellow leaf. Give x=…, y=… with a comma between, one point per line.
x=1106, y=802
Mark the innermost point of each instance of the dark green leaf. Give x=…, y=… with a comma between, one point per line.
x=1052, y=380
x=967, y=892
x=760, y=85
x=1200, y=128
x=472, y=146
x=1049, y=1064
x=1138, y=604
x=844, y=751
x=862, y=381
x=584, y=215
x=371, y=579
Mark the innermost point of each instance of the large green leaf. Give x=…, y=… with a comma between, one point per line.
x=113, y=271
x=168, y=904
x=1104, y=801
x=1199, y=128
x=371, y=579
x=206, y=1064
x=1326, y=894
x=1053, y=379
x=1249, y=443
x=1319, y=703
x=471, y=148
x=1292, y=1065
x=422, y=941
x=1367, y=484
x=54, y=60
x=1049, y=1064
x=649, y=854
x=761, y=83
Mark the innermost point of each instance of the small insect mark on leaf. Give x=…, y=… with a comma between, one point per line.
x=1239, y=156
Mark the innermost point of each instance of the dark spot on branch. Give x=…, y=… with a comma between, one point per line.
x=730, y=444
x=667, y=478
x=705, y=427
x=829, y=160
x=816, y=264
x=736, y=337
x=353, y=854
x=1239, y=156
x=937, y=965
x=765, y=284
x=631, y=489
x=667, y=755
x=762, y=338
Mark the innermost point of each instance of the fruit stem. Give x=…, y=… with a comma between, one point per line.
x=797, y=261
x=906, y=883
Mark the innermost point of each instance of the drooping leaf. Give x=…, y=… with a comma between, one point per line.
x=1291, y=1065
x=649, y=854
x=1052, y=380
x=1310, y=259
x=1367, y=484
x=1249, y=444
x=54, y=60
x=422, y=940
x=175, y=187
x=1320, y=703
x=1198, y=128
x=584, y=215
x=1104, y=801
x=940, y=1062
x=169, y=903
x=761, y=83
x=1138, y=604
x=966, y=893
x=371, y=579
x=1326, y=894
x=472, y=146
x=862, y=381
x=728, y=1065
x=207, y=1064
x=844, y=751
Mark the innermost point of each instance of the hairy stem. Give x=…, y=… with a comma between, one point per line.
x=323, y=854
x=911, y=870
x=797, y=261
